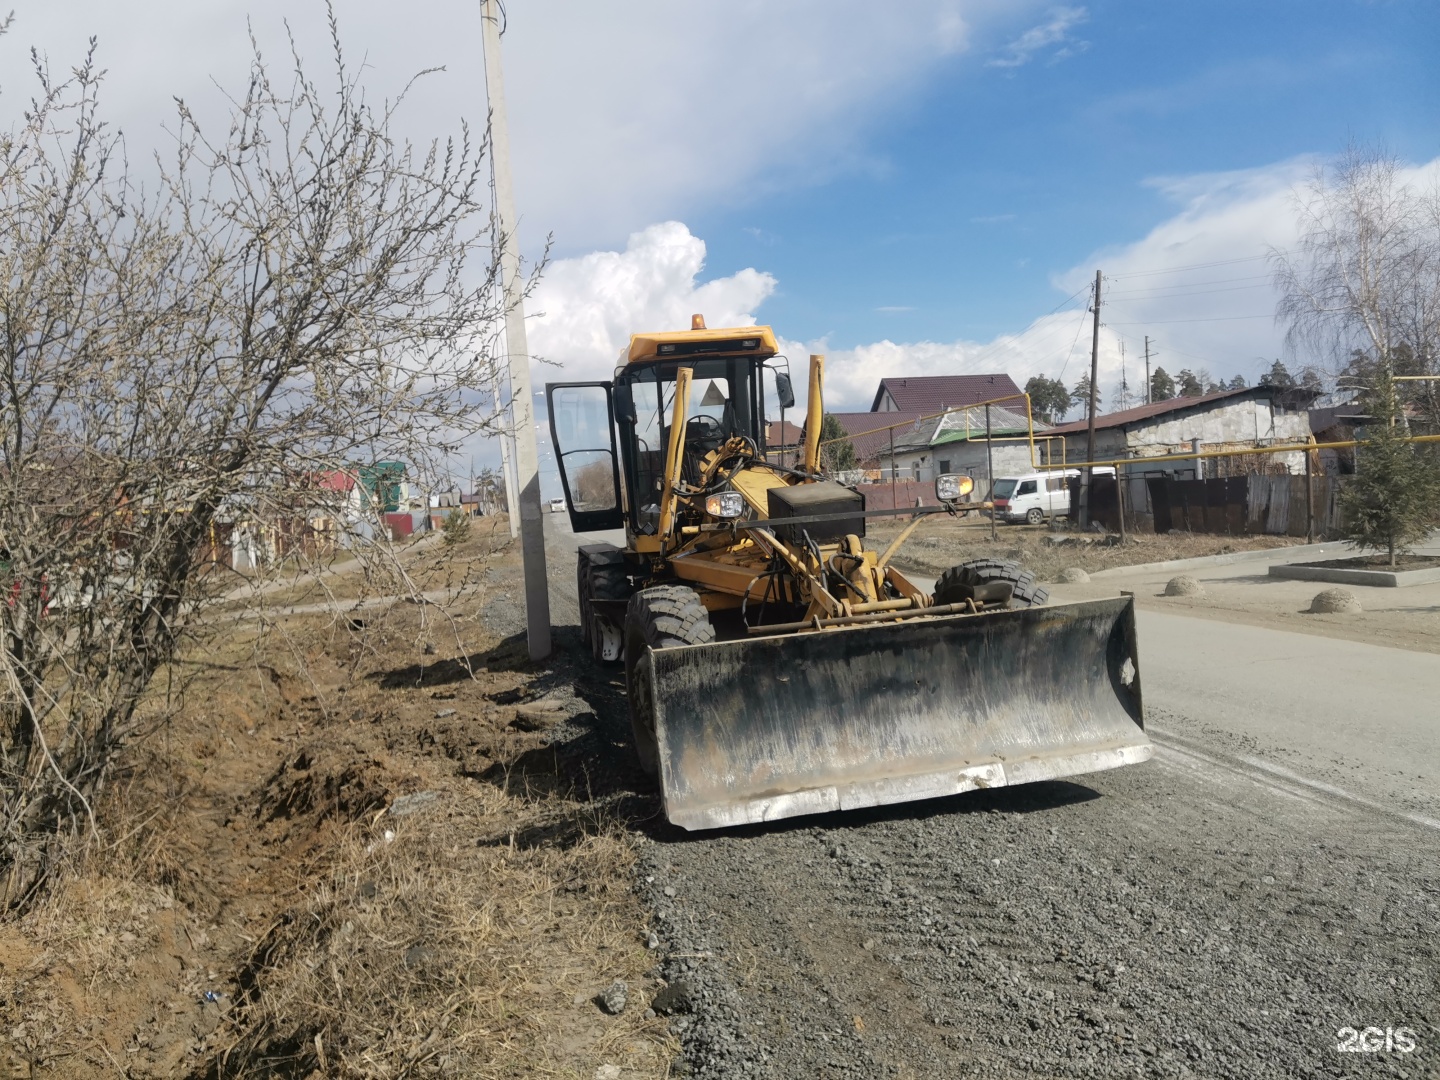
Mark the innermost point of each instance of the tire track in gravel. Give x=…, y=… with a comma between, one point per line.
x=1194, y=916
x=1154, y=923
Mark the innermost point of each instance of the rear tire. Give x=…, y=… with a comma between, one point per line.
x=657, y=618
x=597, y=578
x=953, y=585
x=606, y=583
x=582, y=595
x=1035, y=516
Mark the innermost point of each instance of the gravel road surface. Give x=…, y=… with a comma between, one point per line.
x=1229, y=909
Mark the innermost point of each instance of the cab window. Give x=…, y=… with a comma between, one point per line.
x=1027, y=487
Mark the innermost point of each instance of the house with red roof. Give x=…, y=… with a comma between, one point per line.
x=926, y=395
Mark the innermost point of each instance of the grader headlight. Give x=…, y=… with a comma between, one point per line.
x=952, y=487
x=727, y=504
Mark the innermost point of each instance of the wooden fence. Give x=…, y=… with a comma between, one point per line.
x=1231, y=505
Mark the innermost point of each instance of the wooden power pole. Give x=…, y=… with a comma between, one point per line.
x=1090, y=430
x=1147, y=369
x=522, y=402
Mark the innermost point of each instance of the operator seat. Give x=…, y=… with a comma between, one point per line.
x=703, y=434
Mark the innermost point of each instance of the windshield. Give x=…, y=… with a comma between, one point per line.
x=725, y=400
x=1004, y=489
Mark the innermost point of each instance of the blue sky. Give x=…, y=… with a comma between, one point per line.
x=992, y=180
x=916, y=187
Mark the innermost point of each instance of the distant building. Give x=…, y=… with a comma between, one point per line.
x=956, y=443
x=1252, y=417
x=871, y=433
x=782, y=442
x=925, y=395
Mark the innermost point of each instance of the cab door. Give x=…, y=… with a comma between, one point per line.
x=582, y=429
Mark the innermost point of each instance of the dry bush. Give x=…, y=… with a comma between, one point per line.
x=301, y=294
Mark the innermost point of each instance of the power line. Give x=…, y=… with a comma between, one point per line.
x=1212, y=281
x=996, y=347
x=1190, y=292
x=1195, y=266
x=1167, y=322
x=1071, y=351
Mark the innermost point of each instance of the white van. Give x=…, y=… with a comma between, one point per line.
x=1037, y=496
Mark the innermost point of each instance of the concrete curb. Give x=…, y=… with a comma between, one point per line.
x=1299, y=553
x=1339, y=576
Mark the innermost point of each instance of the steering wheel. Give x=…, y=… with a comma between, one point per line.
x=703, y=429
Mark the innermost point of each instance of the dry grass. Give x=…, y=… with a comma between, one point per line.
x=253, y=907
x=420, y=564
x=435, y=947
x=939, y=544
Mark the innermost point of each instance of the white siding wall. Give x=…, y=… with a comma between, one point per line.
x=1011, y=459
x=1230, y=425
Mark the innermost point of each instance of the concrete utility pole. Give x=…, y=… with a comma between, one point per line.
x=507, y=472
x=1090, y=431
x=522, y=403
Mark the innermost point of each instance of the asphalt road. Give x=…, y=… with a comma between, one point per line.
x=1268, y=881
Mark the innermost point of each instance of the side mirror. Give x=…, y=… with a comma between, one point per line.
x=624, y=403
x=784, y=391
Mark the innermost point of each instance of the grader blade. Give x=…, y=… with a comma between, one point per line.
x=774, y=727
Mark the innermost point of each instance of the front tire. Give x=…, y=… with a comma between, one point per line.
x=953, y=586
x=1035, y=516
x=657, y=618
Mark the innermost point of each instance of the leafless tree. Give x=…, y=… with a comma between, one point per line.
x=295, y=295
x=1363, y=280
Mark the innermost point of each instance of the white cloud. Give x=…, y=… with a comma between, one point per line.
x=1054, y=31
x=1056, y=345
x=620, y=115
x=1200, y=284
x=586, y=308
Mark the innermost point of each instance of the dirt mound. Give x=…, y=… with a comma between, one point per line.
x=347, y=790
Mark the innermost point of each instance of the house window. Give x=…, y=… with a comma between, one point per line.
x=944, y=465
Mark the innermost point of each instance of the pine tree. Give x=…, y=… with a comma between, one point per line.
x=837, y=452
x=1188, y=383
x=1049, y=400
x=1162, y=386
x=1278, y=375
x=1081, y=396
x=1391, y=501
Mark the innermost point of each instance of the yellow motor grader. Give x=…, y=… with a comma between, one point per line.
x=777, y=665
